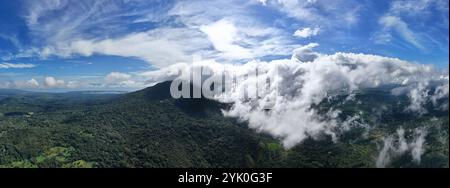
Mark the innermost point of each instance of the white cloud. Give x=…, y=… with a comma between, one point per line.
x=32, y=83
x=306, y=53
x=12, y=39
x=52, y=82
x=398, y=25
x=302, y=10
x=29, y=84
x=343, y=13
x=197, y=31
x=165, y=46
x=53, y=21
x=5, y=65
x=164, y=74
x=196, y=13
x=306, y=32
x=116, y=77
x=396, y=20
x=264, y=2
x=46, y=83
x=300, y=85
x=161, y=47
x=223, y=36
x=113, y=80
x=441, y=92
x=395, y=146
x=125, y=80
x=239, y=41
x=96, y=27
x=418, y=7
x=246, y=37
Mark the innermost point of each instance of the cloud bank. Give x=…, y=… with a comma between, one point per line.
x=196, y=27
x=286, y=110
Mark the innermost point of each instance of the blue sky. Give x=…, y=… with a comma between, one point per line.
x=110, y=44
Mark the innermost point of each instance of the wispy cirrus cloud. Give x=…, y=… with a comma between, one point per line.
x=57, y=21
x=12, y=39
x=405, y=19
x=198, y=32
x=394, y=23
x=168, y=32
x=160, y=47
x=163, y=33
x=319, y=12
x=6, y=65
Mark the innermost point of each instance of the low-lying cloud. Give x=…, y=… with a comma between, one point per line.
x=397, y=145
x=286, y=109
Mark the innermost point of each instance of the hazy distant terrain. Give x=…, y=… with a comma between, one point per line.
x=148, y=128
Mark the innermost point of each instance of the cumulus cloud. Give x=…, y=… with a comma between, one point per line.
x=113, y=80
x=133, y=80
x=29, y=84
x=306, y=32
x=32, y=83
x=397, y=145
x=285, y=109
x=46, y=83
x=52, y=82
x=119, y=79
x=115, y=77
x=16, y=65
x=306, y=53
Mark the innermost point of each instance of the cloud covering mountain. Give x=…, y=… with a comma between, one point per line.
x=300, y=83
